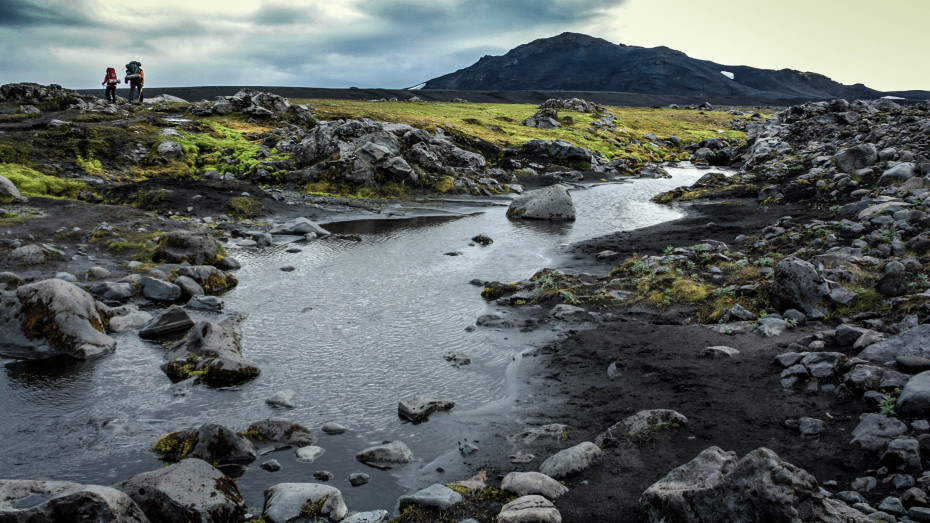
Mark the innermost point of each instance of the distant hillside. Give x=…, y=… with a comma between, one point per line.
x=577, y=62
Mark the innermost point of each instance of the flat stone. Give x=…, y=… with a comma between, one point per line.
x=282, y=398
x=309, y=454
x=331, y=427
x=419, y=408
x=435, y=496
x=390, y=452
x=570, y=460
x=285, y=501
x=372, y=516
x=719, y=351
x=526, y=483
x=529, y=509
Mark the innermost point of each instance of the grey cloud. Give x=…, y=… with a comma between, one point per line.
x=33, y=13
x=282, y=15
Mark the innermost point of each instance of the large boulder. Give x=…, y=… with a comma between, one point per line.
x=914, y=342
x=212, y=351
x=159, y=290
x=192, y=490
x=854, y=158
x=26, y=501
x=390, y=452
x=549, y=203
x=8, y=191
x=286, y=502
x=194, y=247
x=52, y=317
x=797, y=285
x=715, y=486
x=914, y=401
x=570, y=460
x=875, y=431
x=900, y=173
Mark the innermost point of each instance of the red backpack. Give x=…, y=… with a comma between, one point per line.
x=111, y=79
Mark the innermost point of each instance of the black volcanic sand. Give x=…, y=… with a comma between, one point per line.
x=737, y=404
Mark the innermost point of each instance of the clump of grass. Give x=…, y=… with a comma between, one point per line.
x=242, y=207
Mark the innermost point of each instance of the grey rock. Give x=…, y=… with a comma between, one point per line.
x=419, y=408
x=189, y=287
x=195, y=247
x=372, y=516
x=26, y=501
x=212, y=280
x=550, y=203
x=892, y=505
x=914, y=342
x=436, y=496
x=299, y=227
x=919, y=513
x=898, y=174
x=914, y=400
x=864, y=484
x=903, y=454
x=771, y=326
x=357, y=479
x=309, y=454
x=715, y=486
x=797, y=284
x=810, y=428
x=570, y=460
x=331, y=427
x=876, y=431
x=390, y=452
x=132, y=321
x=854, y=158
x=174, y=320
x=109, y=291
x=280, y=431
x=52, y=317
x=191, y=490
x=282, y=398
x=170, y=149
x=642, y=421
x=272, y=465
x=529, y=509
x=215, y=349
x=27, y=255
x=158, y=290
x=8, y=190
x=525, y=483
x=229, y=264
x=97, y=273
x=284, y=501
x=206, y=303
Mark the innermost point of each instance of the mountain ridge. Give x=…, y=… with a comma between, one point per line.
x=578, y=62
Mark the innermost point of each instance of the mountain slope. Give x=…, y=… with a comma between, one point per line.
x=578, y=62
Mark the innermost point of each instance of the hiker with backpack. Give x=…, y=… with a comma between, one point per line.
x=110, y=80
x=136, y=80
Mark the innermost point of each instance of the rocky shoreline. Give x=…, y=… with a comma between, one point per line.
x=760, y=359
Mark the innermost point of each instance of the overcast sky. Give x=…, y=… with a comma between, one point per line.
x=400, y=43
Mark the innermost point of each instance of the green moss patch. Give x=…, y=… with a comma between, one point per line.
x=31, y=182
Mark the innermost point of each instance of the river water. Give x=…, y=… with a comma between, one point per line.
x=355, y=327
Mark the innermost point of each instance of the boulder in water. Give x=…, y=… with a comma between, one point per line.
x=550, y=203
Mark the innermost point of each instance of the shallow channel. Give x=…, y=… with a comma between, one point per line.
x=355, y=327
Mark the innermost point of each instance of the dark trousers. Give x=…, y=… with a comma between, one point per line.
x=111, y=93
x=135, y=91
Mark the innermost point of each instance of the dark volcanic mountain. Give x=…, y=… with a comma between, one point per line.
x=577, y=62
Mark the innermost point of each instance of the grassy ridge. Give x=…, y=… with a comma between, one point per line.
x=500, y=124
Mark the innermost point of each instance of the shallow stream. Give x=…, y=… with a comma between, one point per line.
x=354, y=328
